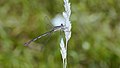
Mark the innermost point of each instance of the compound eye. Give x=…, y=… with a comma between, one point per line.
x=61, y=24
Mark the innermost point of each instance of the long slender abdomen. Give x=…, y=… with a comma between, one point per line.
x=26, y=44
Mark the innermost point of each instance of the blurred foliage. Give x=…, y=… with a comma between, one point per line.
x=95, y=41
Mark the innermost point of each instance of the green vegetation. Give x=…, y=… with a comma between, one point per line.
x=95, y=41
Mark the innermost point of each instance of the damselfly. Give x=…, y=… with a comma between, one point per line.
x=56, y=28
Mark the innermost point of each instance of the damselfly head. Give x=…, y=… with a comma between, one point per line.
x=61, y=24
x=63, y=27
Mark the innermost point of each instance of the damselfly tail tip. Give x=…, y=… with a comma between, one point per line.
x=26, y=44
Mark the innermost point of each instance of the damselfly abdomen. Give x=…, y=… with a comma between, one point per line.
x=56, y=28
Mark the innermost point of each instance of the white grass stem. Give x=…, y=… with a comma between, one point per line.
x=67, y=31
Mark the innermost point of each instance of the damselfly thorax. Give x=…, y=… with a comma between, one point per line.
x=54, y=29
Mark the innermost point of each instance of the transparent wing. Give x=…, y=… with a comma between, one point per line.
x=48, y=23
x=58, y=20
x=40, y=41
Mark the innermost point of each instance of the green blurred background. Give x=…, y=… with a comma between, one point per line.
x=95, y=41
